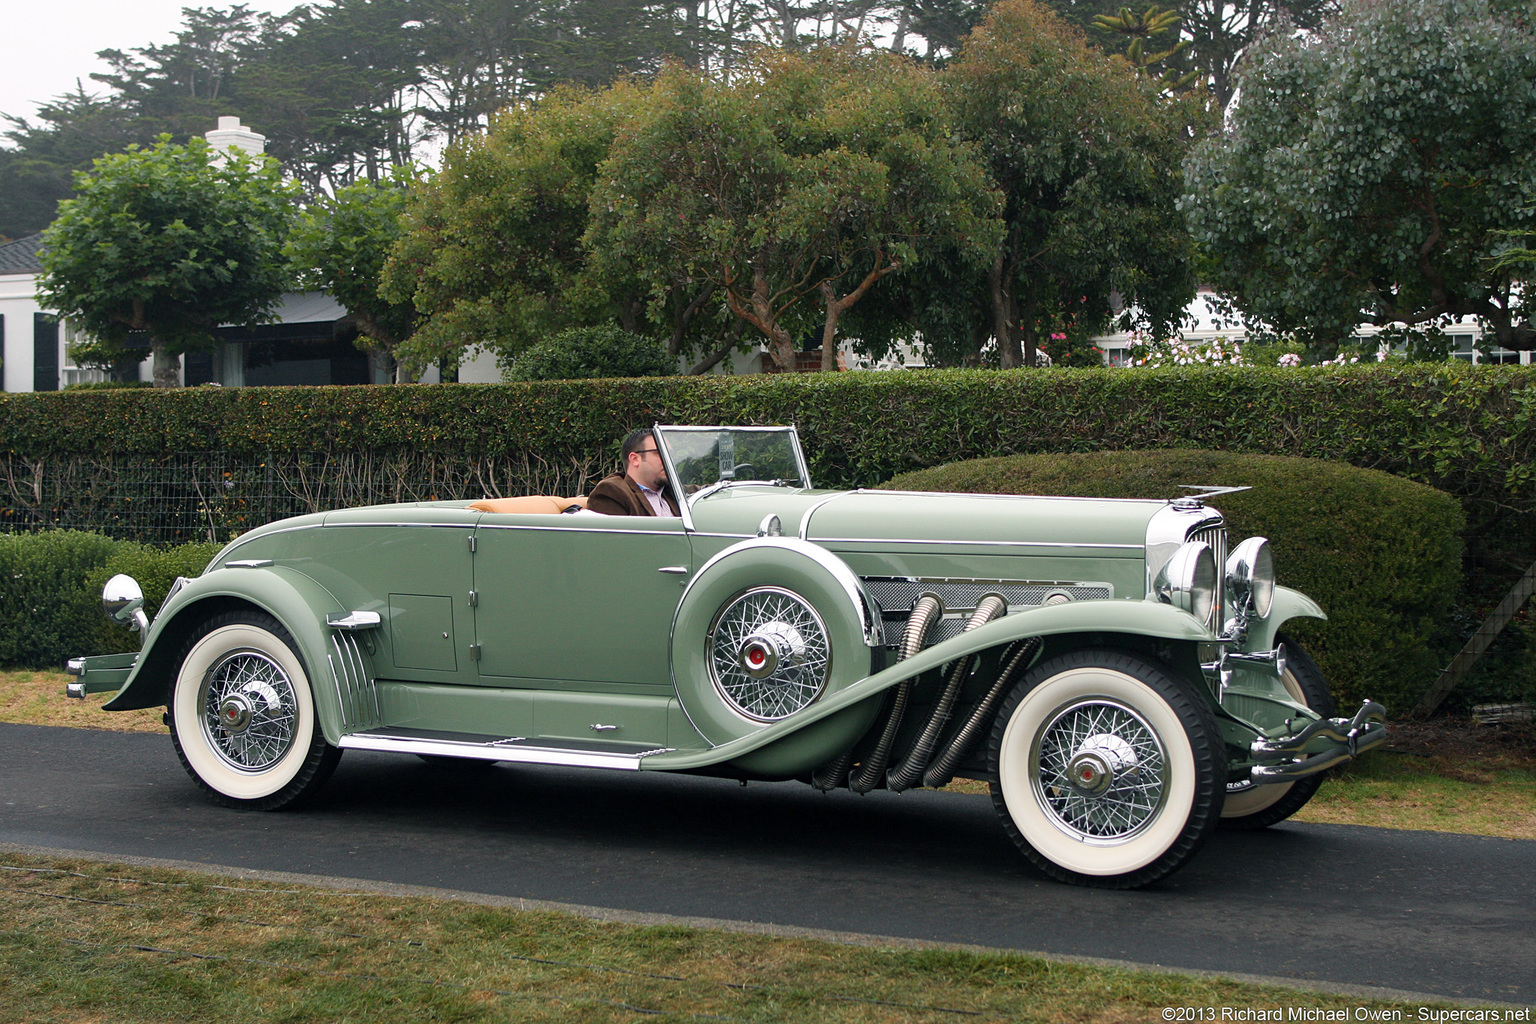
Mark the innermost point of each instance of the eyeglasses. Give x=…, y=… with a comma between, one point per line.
x=648, y=451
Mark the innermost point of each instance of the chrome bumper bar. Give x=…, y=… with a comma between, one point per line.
x=1321, y=745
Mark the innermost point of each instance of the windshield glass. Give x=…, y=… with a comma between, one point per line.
x=700, y=457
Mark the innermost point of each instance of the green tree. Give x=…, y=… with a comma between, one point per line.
x=1087, y=157
x=1373, y=171
x=492, y=254
x=339, y=245
x=37, y=170
x=169, y=242
x=794, y=190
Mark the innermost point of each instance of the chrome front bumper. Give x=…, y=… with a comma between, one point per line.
x=1320, y=746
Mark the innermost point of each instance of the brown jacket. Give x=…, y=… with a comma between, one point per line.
x=618, y=495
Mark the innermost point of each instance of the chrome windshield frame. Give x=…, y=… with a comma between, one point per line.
x=685, y=502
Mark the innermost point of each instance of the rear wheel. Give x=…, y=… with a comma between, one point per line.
x=1106, y=770
x=243, y=717
x=1250, y=806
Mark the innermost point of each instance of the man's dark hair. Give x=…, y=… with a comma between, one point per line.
x=635, y=441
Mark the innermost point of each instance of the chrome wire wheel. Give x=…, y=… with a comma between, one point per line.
x=250, y=710
x=1099, y=770
x=768, y=653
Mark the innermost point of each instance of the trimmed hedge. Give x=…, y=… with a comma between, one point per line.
x=1467, y=430
x=1382, y=555
x=50, y=592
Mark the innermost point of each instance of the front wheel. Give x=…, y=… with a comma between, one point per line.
x=1106, y=770
x=243, y=717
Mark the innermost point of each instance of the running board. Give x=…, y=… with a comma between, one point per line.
x=517, y=749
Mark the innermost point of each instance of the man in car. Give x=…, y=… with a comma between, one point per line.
x=641, y=489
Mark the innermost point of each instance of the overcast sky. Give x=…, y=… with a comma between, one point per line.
x=50, y=43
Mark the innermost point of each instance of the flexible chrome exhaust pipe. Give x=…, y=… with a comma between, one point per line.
x=911, y=770
x=942, y=771
x=924, y=614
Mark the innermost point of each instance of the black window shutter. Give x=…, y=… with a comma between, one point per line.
x=45, y=353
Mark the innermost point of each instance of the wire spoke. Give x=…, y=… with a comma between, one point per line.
x=250, y=711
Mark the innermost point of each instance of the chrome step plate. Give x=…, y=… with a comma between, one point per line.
x=516, y=749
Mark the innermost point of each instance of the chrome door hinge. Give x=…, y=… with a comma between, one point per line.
x=474, y=652
x=471, y=539
x=474, y=599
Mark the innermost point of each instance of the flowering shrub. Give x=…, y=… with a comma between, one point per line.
x=1176, y=351
x=1289, y=359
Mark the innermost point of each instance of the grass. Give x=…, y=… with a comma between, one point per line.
x=84, y=941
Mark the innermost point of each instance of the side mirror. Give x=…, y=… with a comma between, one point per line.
x=123, y=600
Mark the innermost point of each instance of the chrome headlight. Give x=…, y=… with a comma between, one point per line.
x=1188, y=581
x=1251, y=578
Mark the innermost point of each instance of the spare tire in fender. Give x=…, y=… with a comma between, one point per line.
x=765, y=629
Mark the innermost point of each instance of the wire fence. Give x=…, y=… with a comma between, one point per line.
x=215, y=496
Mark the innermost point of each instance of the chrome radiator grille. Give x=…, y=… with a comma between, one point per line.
x=897, y=594
x=1215, y=537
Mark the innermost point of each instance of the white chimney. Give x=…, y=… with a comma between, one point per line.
x=232, y=135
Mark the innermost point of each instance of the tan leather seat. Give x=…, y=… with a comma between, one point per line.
x=529, y=504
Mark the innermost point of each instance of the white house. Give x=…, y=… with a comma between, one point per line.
x=310, y=342
x=1202, y=325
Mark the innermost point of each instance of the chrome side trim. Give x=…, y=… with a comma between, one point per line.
x=248, y=563
x=504, y=750
x=576, y=529
x=952, y=543
x=354, y=620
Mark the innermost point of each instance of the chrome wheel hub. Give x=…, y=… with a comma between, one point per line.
x=1098, y=762
x=769, y=647
x=1099, y=771
x=250, y=710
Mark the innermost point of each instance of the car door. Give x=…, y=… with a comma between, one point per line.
x=578, y=602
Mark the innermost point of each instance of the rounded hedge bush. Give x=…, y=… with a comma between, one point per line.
x=583, y=353
x=1381, y=554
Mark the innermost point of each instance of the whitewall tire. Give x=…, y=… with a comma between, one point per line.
x=242, y=714
x=1106, y=770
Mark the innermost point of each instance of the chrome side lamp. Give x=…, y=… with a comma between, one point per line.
x=123, y=600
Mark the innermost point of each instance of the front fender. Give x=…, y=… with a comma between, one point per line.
x=1138, y=618
x=1289, y=604
x=291, y=597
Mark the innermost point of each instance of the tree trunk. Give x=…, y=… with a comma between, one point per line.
x=829, y=329
x=1003, y=316
x=167, y=366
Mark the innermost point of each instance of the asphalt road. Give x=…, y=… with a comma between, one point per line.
x=1420, y=912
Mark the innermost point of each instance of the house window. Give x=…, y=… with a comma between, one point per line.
x=73, y=372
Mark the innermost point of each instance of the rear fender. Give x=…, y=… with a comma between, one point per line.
x=289, y=596
x=1101, y=618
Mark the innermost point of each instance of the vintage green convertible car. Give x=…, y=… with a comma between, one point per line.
x=1106, y=666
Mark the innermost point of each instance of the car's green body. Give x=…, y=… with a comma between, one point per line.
x=582, y=639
